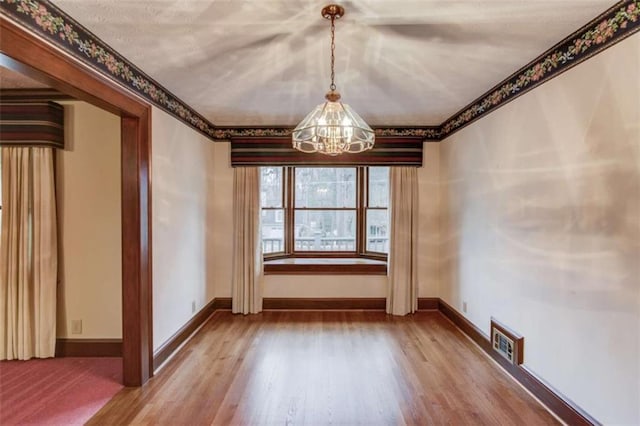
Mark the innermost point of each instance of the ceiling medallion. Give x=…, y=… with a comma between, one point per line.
x=333, y=127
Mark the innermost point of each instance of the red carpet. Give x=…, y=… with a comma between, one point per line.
x=56, y=391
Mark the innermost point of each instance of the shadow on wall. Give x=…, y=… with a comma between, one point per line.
x=541, y=228
x=220, y=220
x=69, y=144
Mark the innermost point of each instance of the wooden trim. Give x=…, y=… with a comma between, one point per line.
x=26, y=95
x=342, y=304
x=24, y=52
x=27, y=54
x=376, y=303
x=31, y=124
x=277, y=151
x=563, y=407
x=285, y=303
x=428, y=303
x=289, y=210
x=182, y=335
x=362, y=184
x=88, y=348
x=136, y=248
x=465, y=325
x=330, y=255
x=222, y=303
x=325, y=269
x=554, y=400
x=289, y=218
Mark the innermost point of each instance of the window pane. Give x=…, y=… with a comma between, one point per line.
x=378, y=187
x=325, y=230
x=271, y=186
x=272, y=223
x=325, y=187
x=378, y=231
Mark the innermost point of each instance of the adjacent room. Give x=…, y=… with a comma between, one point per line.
x=281, y=212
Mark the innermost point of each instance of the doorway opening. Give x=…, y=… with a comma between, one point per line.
x=22, y=52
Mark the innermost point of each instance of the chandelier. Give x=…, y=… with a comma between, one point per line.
x=333, y=127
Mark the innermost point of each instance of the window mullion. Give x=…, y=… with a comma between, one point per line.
x=289, y=209
x=361, y=213
x=362, y=195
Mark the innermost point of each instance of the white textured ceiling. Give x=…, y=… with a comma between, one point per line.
x=266, y=62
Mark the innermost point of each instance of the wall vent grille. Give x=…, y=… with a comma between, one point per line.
x=509, y=344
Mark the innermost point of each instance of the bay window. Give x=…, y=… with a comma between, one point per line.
x=325, y=212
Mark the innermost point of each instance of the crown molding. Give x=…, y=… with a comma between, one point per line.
x=61, y=30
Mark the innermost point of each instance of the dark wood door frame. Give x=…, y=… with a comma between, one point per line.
x=26, y=53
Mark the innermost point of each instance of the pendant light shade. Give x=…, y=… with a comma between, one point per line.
x=333, y=128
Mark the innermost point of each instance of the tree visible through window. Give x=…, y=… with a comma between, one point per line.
x=321, y=211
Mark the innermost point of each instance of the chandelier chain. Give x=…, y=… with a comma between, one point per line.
x=333, y=56
x=332, y=128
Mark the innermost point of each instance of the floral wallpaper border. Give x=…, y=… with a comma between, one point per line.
x=47, y=20
x=44, y=18
x=617, y=23
x=431, y=133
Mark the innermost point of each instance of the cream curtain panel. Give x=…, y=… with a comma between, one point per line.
x=402, y=293
x=246, y=287
x=28, y=254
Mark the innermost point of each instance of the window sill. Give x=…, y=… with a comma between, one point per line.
x=325, y=266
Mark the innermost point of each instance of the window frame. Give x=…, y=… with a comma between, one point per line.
x=361, y=208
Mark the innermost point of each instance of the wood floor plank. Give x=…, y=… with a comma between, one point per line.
x=310, y=368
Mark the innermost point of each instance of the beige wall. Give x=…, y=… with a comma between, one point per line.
x=429, y=222
x=318, y=286
x=310, y=286
x=223, y=212
x=541, y=229
x=184, y=256
x=88, y=194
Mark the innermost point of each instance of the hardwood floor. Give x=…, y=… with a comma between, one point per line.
x=327, y=368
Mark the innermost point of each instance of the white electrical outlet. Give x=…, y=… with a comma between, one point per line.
x=193, y=306
x=76, y=326
x=464, y=307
